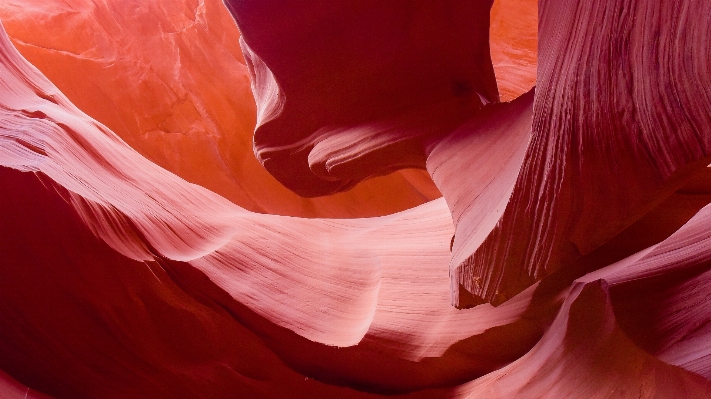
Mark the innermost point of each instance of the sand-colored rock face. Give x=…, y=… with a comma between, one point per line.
x=169, y=78
x=122, y=279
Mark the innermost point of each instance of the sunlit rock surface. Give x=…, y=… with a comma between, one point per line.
x=118, y=232
x=514, y=46
x=169, y=78
x=121, y=279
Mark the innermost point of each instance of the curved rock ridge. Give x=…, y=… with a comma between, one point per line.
x=169, y=78
x=621, y=119
x=119, y=279
x=128, y=253
x=585, y=354
x=673, y=275
x=143, y=212
x=173, y=332
x=489, y=150
x=339, y=98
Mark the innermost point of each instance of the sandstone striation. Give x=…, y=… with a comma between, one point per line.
x=621, y=120
x=572, y=236
x=338, y=99
x=169, y=78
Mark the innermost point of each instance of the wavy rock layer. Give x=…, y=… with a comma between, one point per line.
x=621, y=119
x=119, y=279
x=169, y=78
x=586, y=355
x=488, y=150
x=674, y=276
x=338, y=98
x=118, y=270
x=357, y=91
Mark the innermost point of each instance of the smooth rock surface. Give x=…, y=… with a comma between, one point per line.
x=121, y=279
x=169, y=78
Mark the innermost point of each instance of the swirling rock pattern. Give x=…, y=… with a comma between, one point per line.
x=338, y=99
x=128, y=216
x=621, y=119
x=169, y=78
x=119, y=279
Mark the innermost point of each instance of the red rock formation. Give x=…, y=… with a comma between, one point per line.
x=120, y=279
x=185, y=250
x=621, y=121
x=339, y=101
x=584, y=354
x=11, y=389
x=490, y=148
x=169, y=78
x=673, y=275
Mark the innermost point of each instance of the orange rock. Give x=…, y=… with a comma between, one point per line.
x=169, y=78
x=514, y=46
